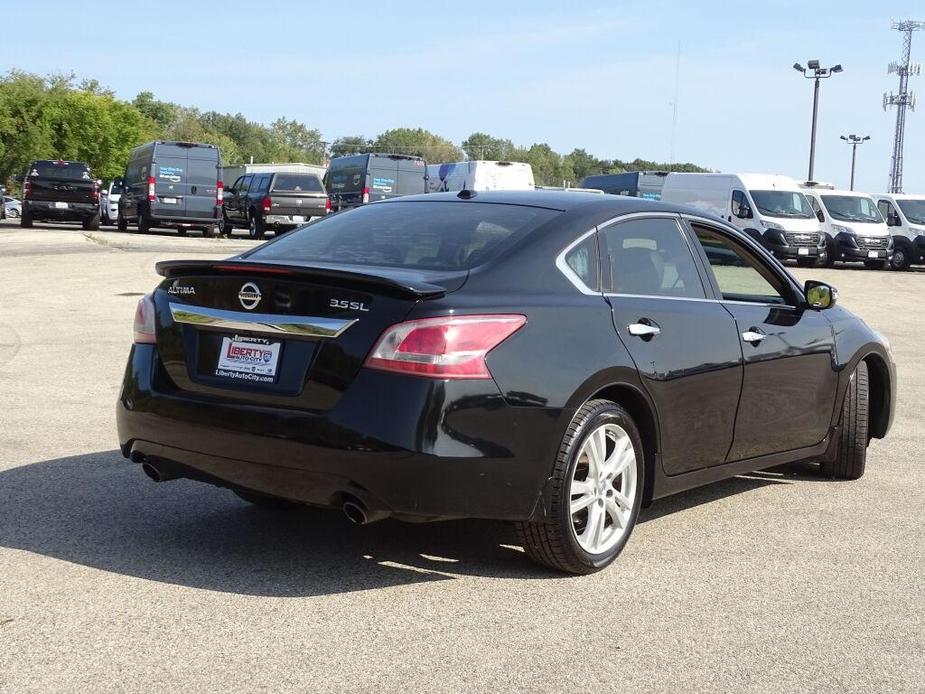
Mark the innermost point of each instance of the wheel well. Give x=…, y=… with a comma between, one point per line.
x=879, y=394
x=641, y=412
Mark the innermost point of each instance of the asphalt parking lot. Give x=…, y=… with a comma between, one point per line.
x=771, y=582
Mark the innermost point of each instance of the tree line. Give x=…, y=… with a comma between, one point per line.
x=57, y=116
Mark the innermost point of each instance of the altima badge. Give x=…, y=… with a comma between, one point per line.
x=249, y=295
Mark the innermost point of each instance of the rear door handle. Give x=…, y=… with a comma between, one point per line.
x=753, y=336
x=643, y=330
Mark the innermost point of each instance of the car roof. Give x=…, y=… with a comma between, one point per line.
x=562, y=200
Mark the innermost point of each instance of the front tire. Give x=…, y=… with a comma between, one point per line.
x=597, y=485
x=256, y=228
x=901, y=259
x=92, y=224
x=851, y=456
x=144, y=222
x=26, y=220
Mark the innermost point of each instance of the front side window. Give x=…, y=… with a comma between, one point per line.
x=740, y=206
x=741, y=276
x=850, y=208
x=886, y=209
x=782, y=203
x=650, y=257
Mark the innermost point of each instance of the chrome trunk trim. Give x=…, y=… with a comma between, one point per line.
x=266, y=323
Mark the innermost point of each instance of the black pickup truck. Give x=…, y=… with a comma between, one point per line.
x=277, y=201
x=60, y=191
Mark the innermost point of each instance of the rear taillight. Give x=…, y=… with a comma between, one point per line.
x=448, y=347
x=220, y=194
x=267, y=203
x=152, y=194
x=95, y=193
x=144, y=330
x=327, y=205
x=26, y=188
x=365, y=195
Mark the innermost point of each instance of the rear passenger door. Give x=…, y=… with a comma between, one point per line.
x=788, y=350
x=684, y=344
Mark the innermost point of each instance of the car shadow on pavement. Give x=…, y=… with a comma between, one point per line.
x=98, y=510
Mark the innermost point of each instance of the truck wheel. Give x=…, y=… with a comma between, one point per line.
x=829, y=254
x=144, y=224
x=210, y=232
x=92, y=224
x=256, y=229
x=26, y=220
x=901, y=259
x=851, y=455
x=596, y=493
x=121, y=224
x=226, y=227
x=876, y=264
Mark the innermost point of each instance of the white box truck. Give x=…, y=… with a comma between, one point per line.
x=771, y=209
x=854, y=229
x=479, y=175
x=905, y=216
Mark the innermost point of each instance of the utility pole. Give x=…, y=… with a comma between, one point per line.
x=674, y=104
x=814, y=71
x=854, y=141
x=903, y=99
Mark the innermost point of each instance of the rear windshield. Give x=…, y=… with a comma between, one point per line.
x=298, y=183
x=347, y=179
x=69, y=170
x=419, y=235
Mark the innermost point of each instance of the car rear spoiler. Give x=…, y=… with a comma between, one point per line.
x=400, y=287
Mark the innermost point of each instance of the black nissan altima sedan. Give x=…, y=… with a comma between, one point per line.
x=556, y=359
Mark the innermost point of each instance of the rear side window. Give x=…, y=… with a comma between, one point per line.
x=582, y=260
x=67, y=170
x=298, y=183
x=420, y=235
x=650, y=257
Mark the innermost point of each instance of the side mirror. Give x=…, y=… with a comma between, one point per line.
x=892, y=220
x=744, y=212
x=820, y=295
x=820, y=216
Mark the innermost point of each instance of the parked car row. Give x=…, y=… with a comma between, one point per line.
x=812, y=223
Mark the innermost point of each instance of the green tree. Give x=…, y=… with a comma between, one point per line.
x=582, y=164
x=350, y=144
x=484, y=146
x=417, y=142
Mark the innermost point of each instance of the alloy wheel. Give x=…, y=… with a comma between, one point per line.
x=603, y=488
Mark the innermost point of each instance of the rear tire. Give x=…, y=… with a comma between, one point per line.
x=851, y=457
x=121, y=224
x=264, y=501
x=210, y=232
x=26, y=220
x=144, y=223
x=608, y=485
x=227, y=227
x=92, y=224
x=256, y=229
x=13, y=214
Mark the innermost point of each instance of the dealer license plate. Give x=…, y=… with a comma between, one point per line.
x=802, y=251
x=169, y=201
x=248, y=359
x=298, y=218
x=62, y=205
x=873, y=254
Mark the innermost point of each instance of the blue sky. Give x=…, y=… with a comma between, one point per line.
x=597, y=75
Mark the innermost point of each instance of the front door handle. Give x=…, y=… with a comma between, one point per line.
x=753, y=336
x=643, y=330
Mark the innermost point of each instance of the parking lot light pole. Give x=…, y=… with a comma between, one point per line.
x=814, y=71
x=854, y=141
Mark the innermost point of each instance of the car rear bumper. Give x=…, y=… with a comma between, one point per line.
x=412, y=447
x=286, y=220
x=74, y=211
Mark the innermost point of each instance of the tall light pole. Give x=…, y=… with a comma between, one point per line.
x=813, y=71
x=854, y=141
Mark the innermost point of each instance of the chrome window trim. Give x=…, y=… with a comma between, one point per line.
x=570, y=274
x=264, y=323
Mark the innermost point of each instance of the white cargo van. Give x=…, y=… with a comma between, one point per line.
x=854, y=229
x=771, y=209
x=905, y=216
x=479, y=175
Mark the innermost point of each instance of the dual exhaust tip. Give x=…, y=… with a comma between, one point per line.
x=356, y=511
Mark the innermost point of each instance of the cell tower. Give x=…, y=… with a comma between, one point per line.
x=905, y=68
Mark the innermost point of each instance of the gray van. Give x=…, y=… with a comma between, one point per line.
x=362, y=178
x=172, y=184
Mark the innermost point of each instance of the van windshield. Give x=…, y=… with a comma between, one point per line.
x=848, y=208
x=913, y=209
x=782, y=203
